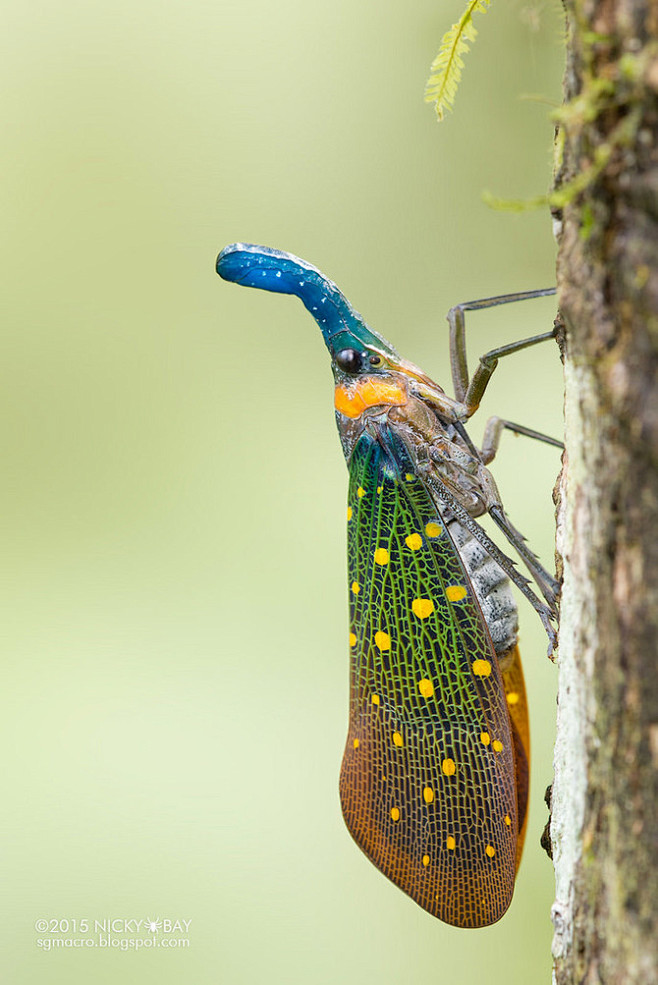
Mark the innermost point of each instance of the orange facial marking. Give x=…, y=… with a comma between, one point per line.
x=368, y=392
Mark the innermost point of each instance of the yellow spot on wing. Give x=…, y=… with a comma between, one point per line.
x=356, y=743
x=433, y=530
x=451, y=844
x=375, y=699
x=448, y=767
x=349, y=513
x=428, y=795
x=397, y=739
x=352, y=639
x=485, y=738
x=414, y=542
x=381, y=556
x=508, y=820
x=356, y=588
x=382, y=640
x=422, y=608
x=395, y=814
x=409, y=477
x=497, y=745
x=360, y=492
x=513, y=698
x=426, y=860
x=455, y=593
x=426, y=688
x=490, y=851
x=482, y=668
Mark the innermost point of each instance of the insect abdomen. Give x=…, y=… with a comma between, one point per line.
x=492, y=587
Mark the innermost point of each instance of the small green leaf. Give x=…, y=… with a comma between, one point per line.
x=446, y=69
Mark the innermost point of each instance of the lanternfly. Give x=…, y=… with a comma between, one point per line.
x=434, y=780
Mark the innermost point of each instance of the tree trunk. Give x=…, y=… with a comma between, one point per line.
x=604, y=825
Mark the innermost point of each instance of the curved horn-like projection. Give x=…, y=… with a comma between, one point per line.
x=283, y=273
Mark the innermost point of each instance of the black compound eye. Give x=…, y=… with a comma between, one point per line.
x=349, y=360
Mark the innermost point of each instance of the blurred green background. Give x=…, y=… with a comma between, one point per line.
x=175, y=603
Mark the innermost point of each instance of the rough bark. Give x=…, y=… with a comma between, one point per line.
x=605, y=810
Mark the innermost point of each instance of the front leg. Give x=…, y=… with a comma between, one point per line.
x=469, y=391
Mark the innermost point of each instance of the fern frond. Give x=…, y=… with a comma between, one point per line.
x=446, y=71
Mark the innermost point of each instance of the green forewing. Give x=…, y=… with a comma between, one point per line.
x=427, y=782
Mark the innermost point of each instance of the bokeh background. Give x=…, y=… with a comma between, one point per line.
x=175, y=677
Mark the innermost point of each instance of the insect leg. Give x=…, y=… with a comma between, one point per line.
x=489, y=361
x=457, y=322
x=493, y=431
x=549, y=586
x=470, y=391
x=545, y=612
